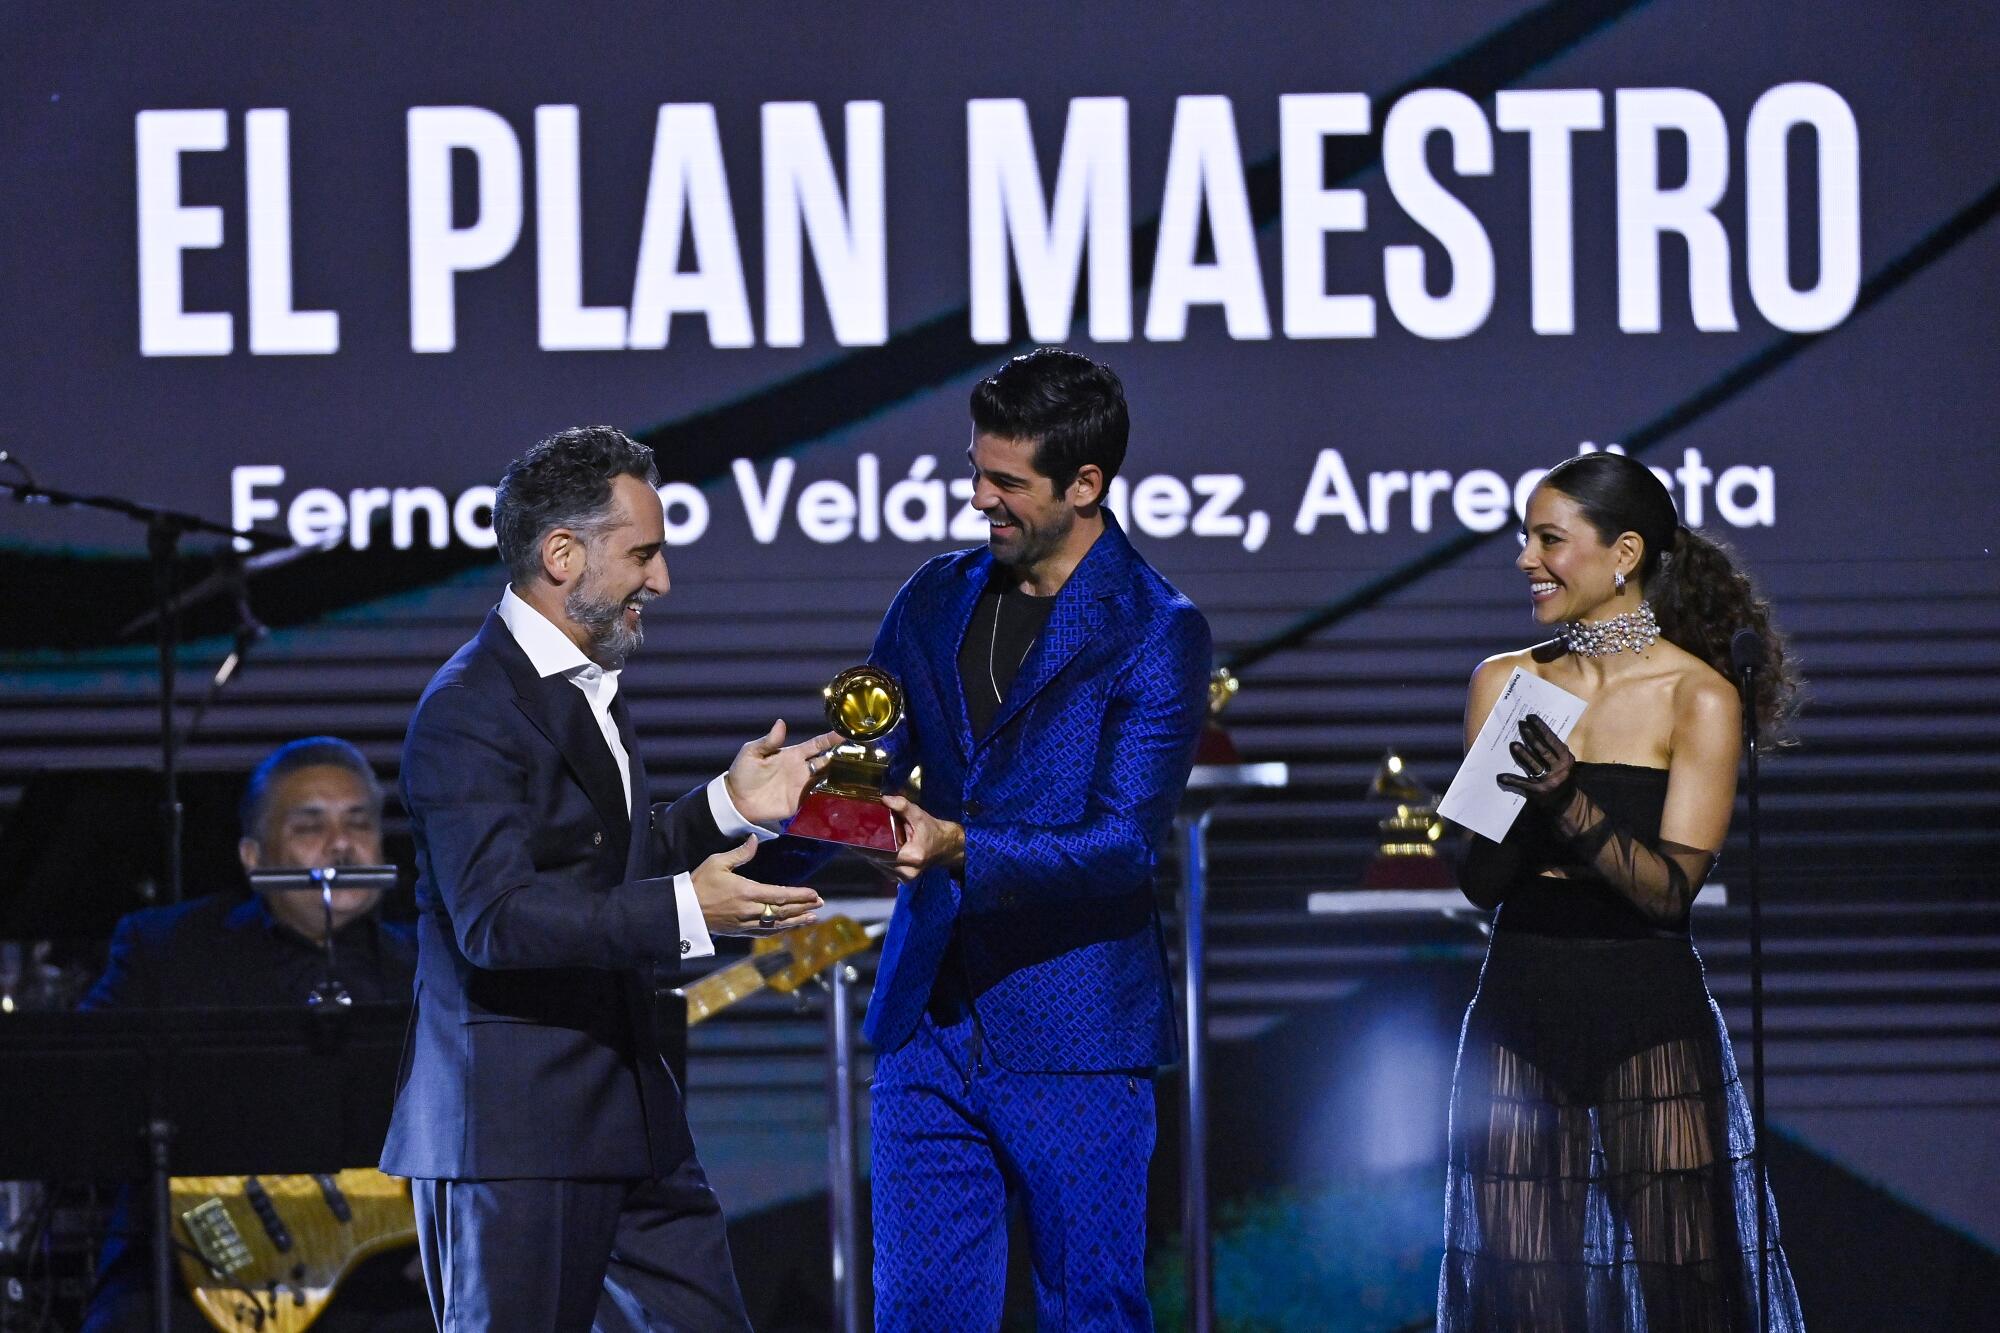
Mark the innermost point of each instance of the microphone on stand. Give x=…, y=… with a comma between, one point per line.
x=331, y=994
x=247, y=634
x=1748, y=655
x=231, y=574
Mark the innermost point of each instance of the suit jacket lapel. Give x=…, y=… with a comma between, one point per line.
x=642, y=801
x=1073, y=621
x=956, y=619
x=574, y=729
x=561, y=713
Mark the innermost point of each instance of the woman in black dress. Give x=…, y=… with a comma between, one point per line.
x=1601, y=1174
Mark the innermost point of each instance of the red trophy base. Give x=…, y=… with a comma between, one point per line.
x=1215, y=746
x=856, y=823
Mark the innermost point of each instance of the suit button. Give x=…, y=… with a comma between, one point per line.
x=686, y=947
x=597, y=839
x=974, y=809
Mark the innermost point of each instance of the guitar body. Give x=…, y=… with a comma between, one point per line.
x=273, y=1248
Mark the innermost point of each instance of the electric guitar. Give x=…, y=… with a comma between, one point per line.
x=263, y=1254
x=782, y=963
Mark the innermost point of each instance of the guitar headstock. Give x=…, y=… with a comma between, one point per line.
x=781, y=962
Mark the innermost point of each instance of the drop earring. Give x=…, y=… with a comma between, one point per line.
x=1617, y=581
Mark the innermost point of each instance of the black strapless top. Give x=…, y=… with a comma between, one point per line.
x=1580, y=904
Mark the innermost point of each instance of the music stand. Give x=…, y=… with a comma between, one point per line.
x=122, y=1094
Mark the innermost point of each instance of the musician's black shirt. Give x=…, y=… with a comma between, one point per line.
x=992, y=654
x=229, y=952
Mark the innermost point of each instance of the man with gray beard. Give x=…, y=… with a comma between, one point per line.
x=556, y=1186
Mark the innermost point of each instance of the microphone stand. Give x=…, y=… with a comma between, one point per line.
x=1747, y=669
x=250, y=631
x=232, y=575
x=330, y=995
x=164, y=530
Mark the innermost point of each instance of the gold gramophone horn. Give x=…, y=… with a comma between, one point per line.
x=1406, y=856
x=863, y=703
x=1393, y=780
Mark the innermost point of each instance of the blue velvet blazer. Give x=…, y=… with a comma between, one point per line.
x=1067, y=802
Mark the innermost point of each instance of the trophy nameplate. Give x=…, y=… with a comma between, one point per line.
x=844, y=806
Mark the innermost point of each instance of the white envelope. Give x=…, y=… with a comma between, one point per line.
x=1474, y=799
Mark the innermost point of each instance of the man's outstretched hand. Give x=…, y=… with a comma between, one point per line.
x=768, y=777
x=931, y=842
x=733, y=905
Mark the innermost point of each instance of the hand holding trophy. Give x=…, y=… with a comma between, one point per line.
x=844, y=806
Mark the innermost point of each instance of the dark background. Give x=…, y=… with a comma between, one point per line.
x=1878, y=434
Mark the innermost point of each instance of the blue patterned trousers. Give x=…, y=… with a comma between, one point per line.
x=954, y=1138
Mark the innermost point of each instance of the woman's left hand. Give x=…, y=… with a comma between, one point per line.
x=1547, y=766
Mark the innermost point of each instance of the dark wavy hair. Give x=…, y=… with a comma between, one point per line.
x=1072, y=407
x=1698, y=590
x=563, y=482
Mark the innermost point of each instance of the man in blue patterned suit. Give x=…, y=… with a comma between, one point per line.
x=1055, y=685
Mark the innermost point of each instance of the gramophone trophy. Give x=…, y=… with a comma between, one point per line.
x=1215, y=746
x=844, y=806
x=1408, y=856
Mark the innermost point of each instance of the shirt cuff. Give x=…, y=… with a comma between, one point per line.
x=731, y=821
x=695, y=942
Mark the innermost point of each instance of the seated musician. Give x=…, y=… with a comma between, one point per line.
x=310, y=803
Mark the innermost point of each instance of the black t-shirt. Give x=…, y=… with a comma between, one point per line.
x=1004, y=628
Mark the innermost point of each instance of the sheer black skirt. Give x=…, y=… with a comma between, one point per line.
x=1600, y=1172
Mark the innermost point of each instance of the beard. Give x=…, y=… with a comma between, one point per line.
x=1027, y=547
x=603, y=619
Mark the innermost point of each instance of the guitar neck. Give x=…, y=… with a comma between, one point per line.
x=726, y=985
x=780, y=963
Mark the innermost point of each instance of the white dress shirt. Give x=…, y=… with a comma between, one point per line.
x=551, y=653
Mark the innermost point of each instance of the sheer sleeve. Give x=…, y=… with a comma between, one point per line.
x=1660, y=877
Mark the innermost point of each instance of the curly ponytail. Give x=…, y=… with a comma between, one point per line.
x=1700, y=594
x=1702, y=597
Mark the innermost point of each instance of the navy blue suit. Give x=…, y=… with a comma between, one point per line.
x=1022, y=1005
x=546, y=906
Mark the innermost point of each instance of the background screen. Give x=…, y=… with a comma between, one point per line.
x=1363, y=269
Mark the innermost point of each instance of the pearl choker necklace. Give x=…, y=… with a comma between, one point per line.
x=1634, y=630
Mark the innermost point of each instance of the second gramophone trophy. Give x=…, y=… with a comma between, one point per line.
x=844, y=806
